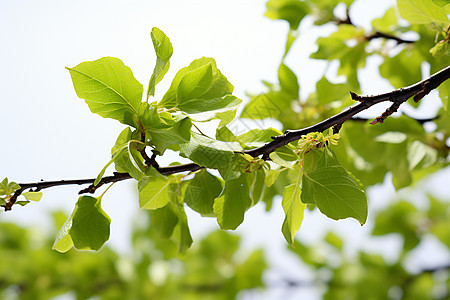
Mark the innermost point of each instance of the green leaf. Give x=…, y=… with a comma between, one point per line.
x=164, y=50
x=231, y=205
x=388, y=22
x=32, y=196
x=442, y=3
x=293, y=209
x=121, y=145
x=164, y=220
x=292, y=11
x=288, y=81
x=201, y=192
x=8, y=188
x=151, y=119
x=400, y=217
x=403, y=69
x=392, y=137
x=86, y=229
x=208, y=152
x=420, y=155
x=154, y=191
x=328, y=92
x=258, y=137
x=109, y=88
x=422, y=12
x=269, y=105
x=205, y=110
x=256, y=185
x=63, y=242
x=198, y=88
x=441, y=48
x=271, y=176
x=284, y=156
x=178, y=133
x=334, y=240
x=238, y=165
x=182, y=235
x=333, y=190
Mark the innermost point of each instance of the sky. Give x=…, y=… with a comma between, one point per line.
x=48, y=133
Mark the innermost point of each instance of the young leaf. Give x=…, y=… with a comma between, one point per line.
x=293, y=208
x=284, y=156
x=90, y=224
x=164, y=50
x=154, y=191
x=201, y=192
x=8, y=188
x=333, y=190
x=208, y=152
x=207, y=109
x=63, y=242
x=257, y=137
x=422, y=12
x=86, y=229
x=150, y=118
x=291, y=11
x=121, y=145
x=420, y=155
x=288, y=81
x=178, y=133
x=256, y=185
x=164, y=220
x=269, y=105
x=198, y=88
x=231, y=205
x=32, y=196
x=109, y=88
x=125, y=156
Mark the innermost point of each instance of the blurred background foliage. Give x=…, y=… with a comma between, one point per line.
x=216, y=268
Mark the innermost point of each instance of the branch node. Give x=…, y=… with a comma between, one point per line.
x=336, y=128
x=392, y=109
x=356, y=97
x=426, y=88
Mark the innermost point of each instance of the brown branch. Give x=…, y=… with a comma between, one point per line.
x=418, y=120
x=397, y=97
x=375, y=35
x=388, y=36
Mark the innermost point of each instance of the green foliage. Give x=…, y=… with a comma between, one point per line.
x=367, y=275
x=201, y=192
x=164, y=50
x=292, y=11
x=86, y=229
x=293, y=208
x=209, y=152
x=335, y=192
x=232, y=203
x=40, y=273
x=423, y=12
x=109, y=88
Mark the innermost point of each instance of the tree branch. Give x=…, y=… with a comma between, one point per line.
x=388, y=36
x=397, y=97
x=375, y=35
x=418, y=90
